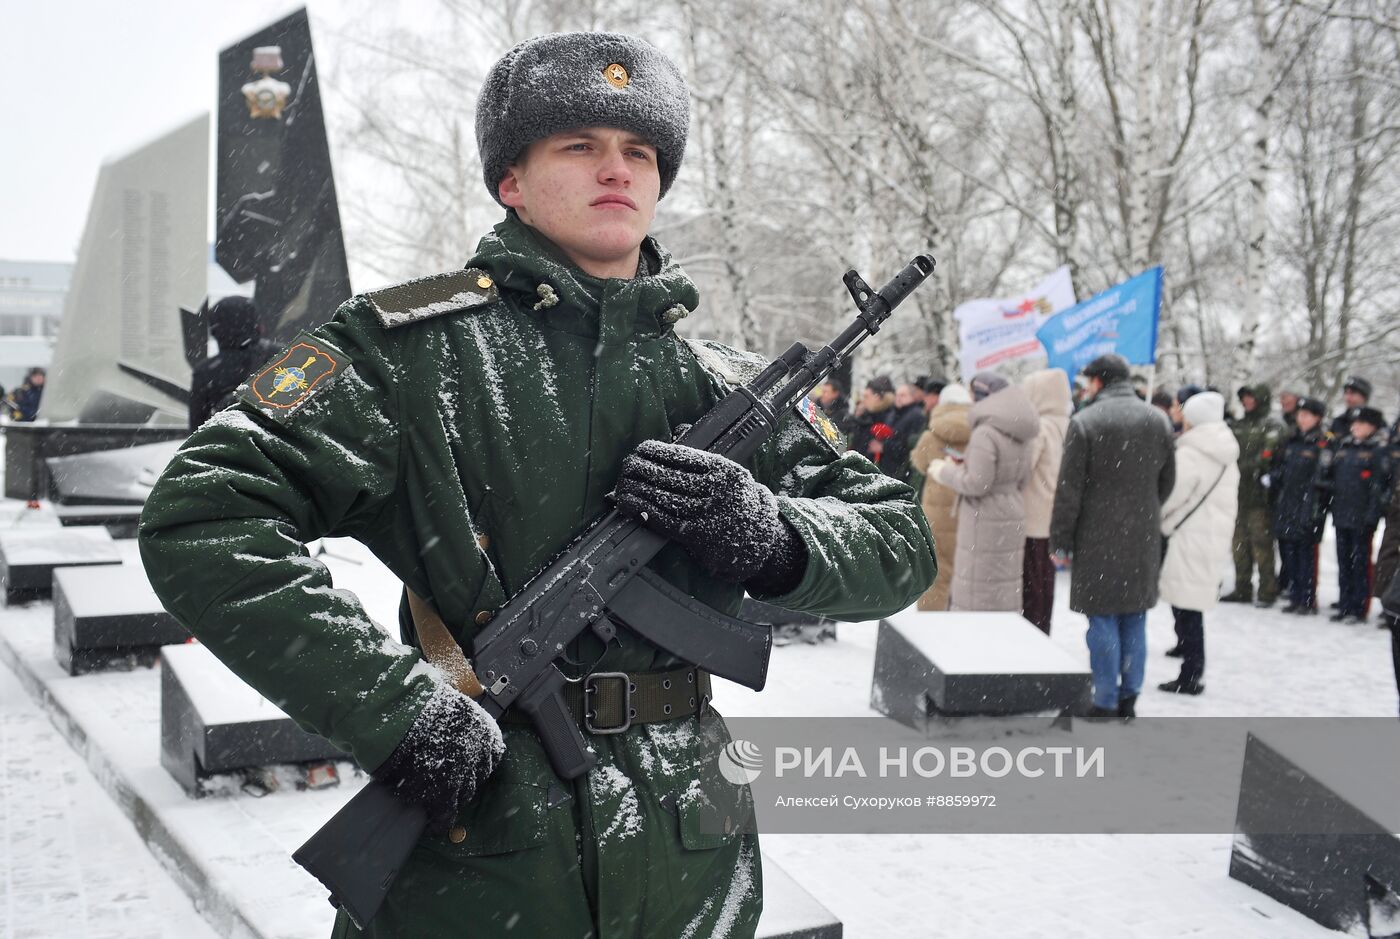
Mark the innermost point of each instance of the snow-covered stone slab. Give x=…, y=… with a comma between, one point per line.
x=212, y=722
x=110, y=477
x=29, y=557
x=932, y=665
x=1317, y=835
x=790, y=912
x=108, y=617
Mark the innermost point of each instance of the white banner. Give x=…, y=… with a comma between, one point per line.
x=993, y=332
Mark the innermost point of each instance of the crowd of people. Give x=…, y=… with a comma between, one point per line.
x=1142, y=499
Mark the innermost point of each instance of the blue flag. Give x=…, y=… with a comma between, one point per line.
x=1122, y=319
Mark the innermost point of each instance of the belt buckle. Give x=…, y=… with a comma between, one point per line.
x=589, y=712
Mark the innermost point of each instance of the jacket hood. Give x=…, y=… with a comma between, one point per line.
x=954, y=394
x=536, y=273
x=1048, y=390
x=1213, y=440
x=949, y=421
x=1009, y=411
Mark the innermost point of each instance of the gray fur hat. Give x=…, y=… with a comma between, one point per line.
x=561, y=81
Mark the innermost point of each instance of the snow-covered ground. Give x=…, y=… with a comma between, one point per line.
x=1260, y=663
x=71, y=864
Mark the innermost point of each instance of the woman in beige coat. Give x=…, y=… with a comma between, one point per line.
x=946, y=437
x=988, y=480
x=1048, y=390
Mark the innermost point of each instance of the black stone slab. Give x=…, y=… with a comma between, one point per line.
x=28, y=557
x=1315, y=838
x=947, y=665
x=121, y=521
x=789, y=626
x=28, y=446
x=212, y=722
x=108, y=617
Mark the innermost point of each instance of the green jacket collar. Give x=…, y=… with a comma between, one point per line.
x=538, y=278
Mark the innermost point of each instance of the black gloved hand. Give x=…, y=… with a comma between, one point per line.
x=716, y=510
x=445, y=757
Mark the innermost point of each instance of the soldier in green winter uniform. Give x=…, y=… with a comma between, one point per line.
x=1258, y=435
x=466, y=427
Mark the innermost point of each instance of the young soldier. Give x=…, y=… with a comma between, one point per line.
x=1299, y=505
x=1358, y=479
x=465, y=427
x=1258, y=435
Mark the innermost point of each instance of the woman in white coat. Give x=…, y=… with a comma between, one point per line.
x=1199, y=522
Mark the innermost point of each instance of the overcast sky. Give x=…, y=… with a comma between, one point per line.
x=89, y=81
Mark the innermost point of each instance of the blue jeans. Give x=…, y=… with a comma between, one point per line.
x=1117, y=646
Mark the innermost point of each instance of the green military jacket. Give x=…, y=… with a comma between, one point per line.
x=465, y=441
x=1258, y=434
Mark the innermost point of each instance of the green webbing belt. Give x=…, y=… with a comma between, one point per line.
x=609, y=702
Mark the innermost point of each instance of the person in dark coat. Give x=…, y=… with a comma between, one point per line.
x=1359, y=481
x=234, y=323
x=1118, y=469
x=22, y=404
x=1288, y=402
x=910, y=422
x=1299, y=506
x=1390, y=619
x=1356, y=394
x=1388, y=558
x=874, y=435
x=832, y=398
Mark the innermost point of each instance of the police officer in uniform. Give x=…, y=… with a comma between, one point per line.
x=468, y=425
x=1358, y=479
x=1300, y=507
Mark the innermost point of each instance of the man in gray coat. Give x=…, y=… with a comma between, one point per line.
x=1118, y=469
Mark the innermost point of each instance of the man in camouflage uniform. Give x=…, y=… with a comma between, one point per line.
x=466, y=427
x=1258, y=435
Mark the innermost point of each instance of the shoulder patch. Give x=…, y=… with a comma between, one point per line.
x=306, y=368
x=427, y=297
x=823, y=425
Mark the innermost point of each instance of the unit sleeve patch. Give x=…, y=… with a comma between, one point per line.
x=823, y=425
x=307, y=367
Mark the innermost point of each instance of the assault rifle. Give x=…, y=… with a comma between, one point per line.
x=597, y=583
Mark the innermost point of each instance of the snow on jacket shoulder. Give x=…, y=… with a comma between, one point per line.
x=1048, y=390
x=1207, y=475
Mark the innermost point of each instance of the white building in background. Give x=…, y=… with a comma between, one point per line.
x=31, y=306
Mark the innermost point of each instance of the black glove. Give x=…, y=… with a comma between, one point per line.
x=445, y=757
x=716, y=510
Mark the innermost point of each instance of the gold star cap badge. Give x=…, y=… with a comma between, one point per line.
x=616, y=75
x=483, y=282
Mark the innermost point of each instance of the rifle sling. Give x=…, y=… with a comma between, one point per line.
x=439, y=646
x=603, y=701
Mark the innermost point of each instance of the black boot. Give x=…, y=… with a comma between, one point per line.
x=1126, y=709
x=1178, y=686
x=1175, y=652
x=1098, y=715
x=1236, y=596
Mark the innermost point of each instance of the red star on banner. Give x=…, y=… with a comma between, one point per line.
x=1027, y=305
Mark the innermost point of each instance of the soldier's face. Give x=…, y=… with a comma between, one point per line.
x=1307, y=420
x=592, y=192
x=1354, y=399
